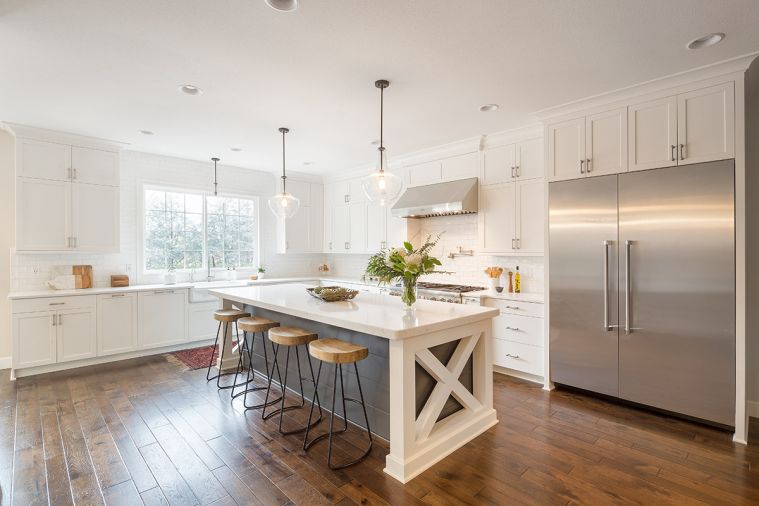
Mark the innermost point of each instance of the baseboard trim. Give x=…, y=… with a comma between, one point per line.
x=5, y=362
x=518, y=374
x=752, y=408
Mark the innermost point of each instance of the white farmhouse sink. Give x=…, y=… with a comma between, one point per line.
x=199, y=291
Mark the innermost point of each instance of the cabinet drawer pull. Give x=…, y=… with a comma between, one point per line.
x=53, y=317
x=512, y=356
x=582, y=166
x=674, y=152
x=57, y=304
x=512, y=173
x=159, y=292
x=60, y=319
x=587, y=165
x=118, y=295
x=682, y=151
x=513, y=307
x=515, y=329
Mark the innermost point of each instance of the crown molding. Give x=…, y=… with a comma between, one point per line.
x=462, y=147
x=512, y=135
x=628, y=93
x=43, y=134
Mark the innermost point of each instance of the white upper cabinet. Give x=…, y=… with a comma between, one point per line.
x=606, y=142
x=304, y=232
x=498, y=164
x=566, y=149
x=340, y=229
x=425, y=173
x=95, y=217
x=530, y=221
x=706, y=124
x=497, y=218
x=43, y=160
x=376, y=228
x=357, y=235
x=94, y=166
x=460, y=167
x=356, y=190
x=301, y=190
x=652, y=131
x=43, y=215
x=530, y=159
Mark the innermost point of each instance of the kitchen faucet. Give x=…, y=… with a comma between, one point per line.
x=211, y=259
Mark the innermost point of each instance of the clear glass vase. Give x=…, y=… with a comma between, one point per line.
x=408, y=295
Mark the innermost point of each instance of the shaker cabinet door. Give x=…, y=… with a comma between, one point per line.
x=566, y=149
x=531, y=220
x=43, y=160
x=652, y=134
x=43, y=215
x=96, y=217
x=34, y=339
x=606, y=142
x=706, y=124
x=95, y=166
x=77, y=334
x=497, y=217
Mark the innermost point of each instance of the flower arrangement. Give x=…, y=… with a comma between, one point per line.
x=406, y=265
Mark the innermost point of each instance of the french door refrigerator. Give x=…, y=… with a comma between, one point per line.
x=642, y=287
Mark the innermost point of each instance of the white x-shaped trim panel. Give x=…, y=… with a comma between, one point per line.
x=448, y=383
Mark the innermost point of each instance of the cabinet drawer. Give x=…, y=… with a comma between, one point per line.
x=518, y=356
x=53, y=303
x=516, y=307
x=521, y=329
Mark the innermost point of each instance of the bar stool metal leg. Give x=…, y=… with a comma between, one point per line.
x=213, y=352
x=252, y=373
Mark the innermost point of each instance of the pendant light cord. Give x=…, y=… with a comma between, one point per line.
x=284, y=177
x=382, y=120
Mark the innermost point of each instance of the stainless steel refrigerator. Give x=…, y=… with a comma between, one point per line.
x=642, y=287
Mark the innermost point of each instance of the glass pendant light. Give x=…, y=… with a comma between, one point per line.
x=284, y=205
x=382, y=187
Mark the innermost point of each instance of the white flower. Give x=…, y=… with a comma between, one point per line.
x=397, y=251
x=414, y=259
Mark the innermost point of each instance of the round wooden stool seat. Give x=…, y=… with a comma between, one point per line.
x=336, y=351
x=291, y=336
x=229, y=315
x=256, y=324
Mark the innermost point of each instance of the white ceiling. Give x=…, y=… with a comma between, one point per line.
x=110, y=68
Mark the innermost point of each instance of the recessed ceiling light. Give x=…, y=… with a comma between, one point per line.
x=488, y=107
x=282, y=5
x=308, y=163
x=236, y=149
x=706, y=41
x=190, y=89
x=146, y=132
x=375, y=142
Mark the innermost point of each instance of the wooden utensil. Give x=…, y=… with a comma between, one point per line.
x=85, y=271
x=119, y=280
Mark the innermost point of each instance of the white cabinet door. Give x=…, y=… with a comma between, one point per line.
x=424, y=173
x=316, y=219
x=652, y=134
x=96, y=217
x=706, y=124
x=43, y=160
x=460, y=167
x=376, y=229
x=296, y=232
x=337, y=193
x=497, y=218
x=43, y=214
x=301, y=190
x=95, y=166
x=530, y=160
x=201, y=323
x=356, y=191
x=34, y=339
x=116, y=323
x=606, y=142
x=357, y=233
x=530, y=216
x=162, y=318
x=566, y=149
x=77, y=334
x=340, y=228
x=498, y=164
x=329, y=209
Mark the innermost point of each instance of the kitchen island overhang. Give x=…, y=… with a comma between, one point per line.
x=427, y=352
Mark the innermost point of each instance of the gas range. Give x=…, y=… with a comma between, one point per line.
x=442, y=292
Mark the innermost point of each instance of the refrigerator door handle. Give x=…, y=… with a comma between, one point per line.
x=606, y=286
x=627, y=287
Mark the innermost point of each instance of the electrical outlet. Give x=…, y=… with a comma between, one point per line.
x=129, y=268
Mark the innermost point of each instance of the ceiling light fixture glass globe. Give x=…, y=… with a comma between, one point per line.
x=284, y=205
x=382, y=187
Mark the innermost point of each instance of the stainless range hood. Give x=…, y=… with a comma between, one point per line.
x=439, y=199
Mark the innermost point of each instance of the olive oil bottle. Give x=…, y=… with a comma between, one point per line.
x=517, y=282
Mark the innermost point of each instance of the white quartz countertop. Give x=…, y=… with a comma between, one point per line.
x=369, y=313
x=523, y=297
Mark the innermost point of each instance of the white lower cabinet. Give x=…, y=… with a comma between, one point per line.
x=162, y=317
x=77, y=334
x=518, y=356
x=518, y=335
x=117, y=323
x=35, y=338
x=201, y=322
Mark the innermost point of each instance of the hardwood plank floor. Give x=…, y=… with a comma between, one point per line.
x=147, y=430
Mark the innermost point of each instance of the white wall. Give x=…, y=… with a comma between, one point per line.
x=456, y=231
x=29, y=272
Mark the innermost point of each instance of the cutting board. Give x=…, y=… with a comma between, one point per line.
x=85, y=271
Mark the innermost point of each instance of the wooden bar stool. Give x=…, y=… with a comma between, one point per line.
x=224, y=317
x=253, y=324
x=338, y=352
x=290, y=337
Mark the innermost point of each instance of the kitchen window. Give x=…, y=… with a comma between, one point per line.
x=184, y=230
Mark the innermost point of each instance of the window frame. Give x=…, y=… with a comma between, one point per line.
x=204, y=194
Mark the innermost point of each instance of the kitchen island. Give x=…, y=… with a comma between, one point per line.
x=429, y=371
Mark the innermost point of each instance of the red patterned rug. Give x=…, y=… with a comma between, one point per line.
x=196, y=358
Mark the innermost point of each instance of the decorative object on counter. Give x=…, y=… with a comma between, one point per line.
x=253, y=277
x=405, y=265
x=332, y=293
x=170, y=278
x=382, y=187
x=323, y=268
x=215, y=160
x=517, y=282
x=499, y=289
x=119, y=280
x=85, y=271
x=511, y=282
x=261, y=272
x=65, y=282
x=284, y=205
x=494, y=276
